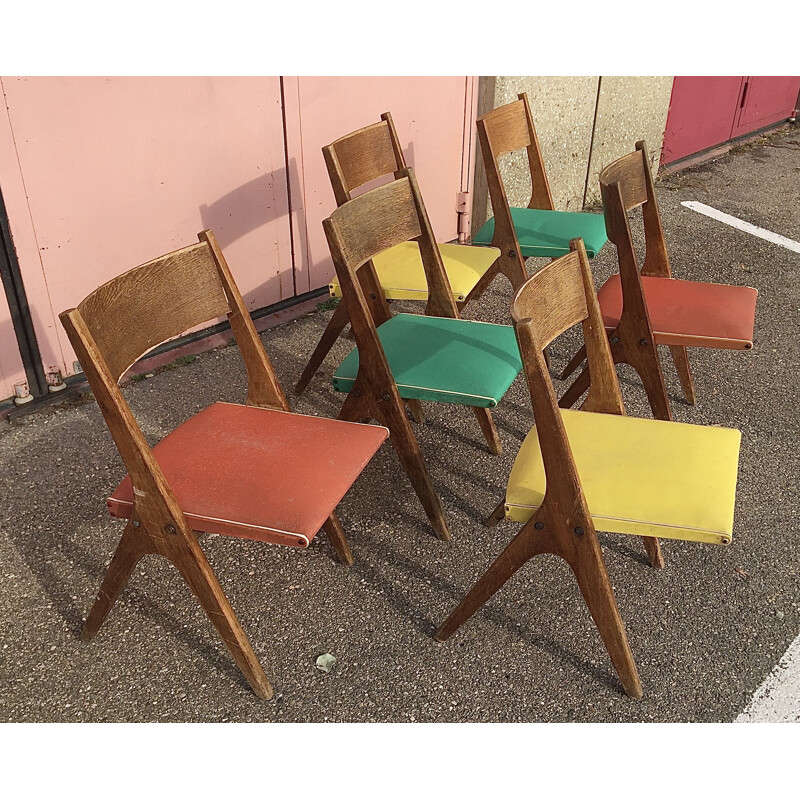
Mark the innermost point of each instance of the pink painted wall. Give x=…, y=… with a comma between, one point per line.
x=429, y=114
x=102, y=174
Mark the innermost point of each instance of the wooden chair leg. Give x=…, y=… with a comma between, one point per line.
x=415, y=407
x=497, y=515
x=653, y=548
x=578, y=387
x=649, y=369
x=574, y=363
x=680, y=358
x=484, y=417
x=336, y=324
x=393, y=416
x=196, y=571
x=355, y=406
x=526, y=544
x=131, y=548
x=480, y=287
x=590, y=572
x=335, y=532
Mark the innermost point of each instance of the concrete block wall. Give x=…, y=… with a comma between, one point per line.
x=583, y=123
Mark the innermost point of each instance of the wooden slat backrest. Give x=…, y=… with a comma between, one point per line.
x=628, y=173
x=362, y=156
x=136, y=311
x=508, y=128
x=376, y=221
x=550, y=302
x=555, y=301
x=382, y=218
x=150, y=304
x=625, y=184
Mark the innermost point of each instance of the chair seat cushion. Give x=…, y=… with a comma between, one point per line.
x=444, y=360
x=547, y=233
x=640, y=476
x=402, y=275
x=258, y=473
x=689, y=313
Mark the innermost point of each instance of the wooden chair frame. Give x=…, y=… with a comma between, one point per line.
x=356, y=232
x=502, y=131
x=625, y=185
x=174, y=293
x=557, y=297
x=353, y=160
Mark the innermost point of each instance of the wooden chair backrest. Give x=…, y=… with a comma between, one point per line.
x=625, y=184
x=366, y=226
x=508, y=128
x=362, y=156
x=557, y=297
x=132, y=313
x=382, y=218
x=550, y=302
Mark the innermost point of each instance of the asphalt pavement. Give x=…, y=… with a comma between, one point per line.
x=705, y=631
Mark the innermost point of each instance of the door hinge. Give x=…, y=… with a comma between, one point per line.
x=463, y=211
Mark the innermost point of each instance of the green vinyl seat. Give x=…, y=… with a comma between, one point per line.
x=546, y=234
x=444, y=360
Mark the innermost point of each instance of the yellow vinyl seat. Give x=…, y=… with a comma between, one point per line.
x=402, y=276
x=640, y=476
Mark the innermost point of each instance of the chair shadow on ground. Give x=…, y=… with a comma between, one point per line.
x=132, y=599
x=492, y=611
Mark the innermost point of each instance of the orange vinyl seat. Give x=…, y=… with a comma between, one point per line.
x=257, y=473
x=689, y=313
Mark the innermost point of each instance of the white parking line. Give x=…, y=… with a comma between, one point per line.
x=778, y=698
x=739, y=224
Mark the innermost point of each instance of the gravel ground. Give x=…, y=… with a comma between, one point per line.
x=705, y=631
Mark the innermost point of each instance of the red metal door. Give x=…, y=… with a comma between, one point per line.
x=702, y=111
x=765, y=101
x=709, y=110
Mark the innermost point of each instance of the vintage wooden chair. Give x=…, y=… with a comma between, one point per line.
x=253, y=471
x=680, y=313
x=596, y=468
x=438, y=357
x=353, y=161
x=535, y=231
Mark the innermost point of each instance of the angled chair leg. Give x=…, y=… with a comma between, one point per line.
x=355, y=406
x=497, y=515
x=589, y=569
x=649, y=369
x=484, y=417
x=336, y=324
x=196, y=571
x=653, y=548
x=524, y=546
x=415, y=407
x=578, y=387
x=574, y=363
x=335, y=532
x=393, y=416
x=680, y=358
x=131, y=548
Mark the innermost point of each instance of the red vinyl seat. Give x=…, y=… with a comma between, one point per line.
x=259, y=474
x=689, y=313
